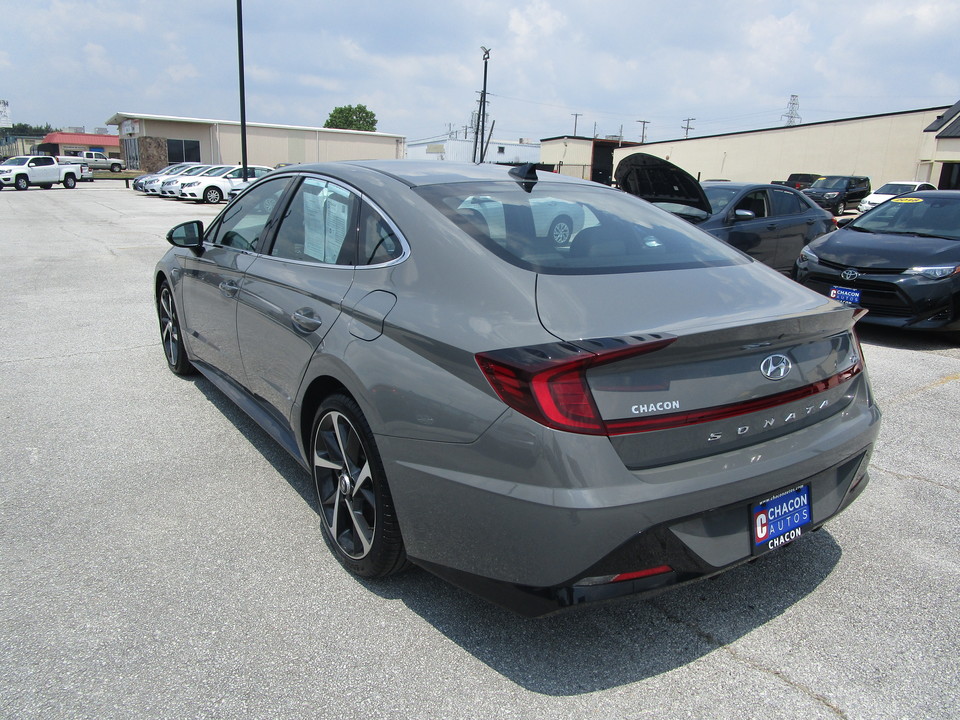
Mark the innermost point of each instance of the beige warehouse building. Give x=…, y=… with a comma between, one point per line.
x=914, y=145
x=149, y=142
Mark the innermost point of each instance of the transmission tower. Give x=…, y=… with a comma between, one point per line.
x=793, y=111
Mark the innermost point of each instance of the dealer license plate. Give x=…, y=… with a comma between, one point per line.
x=847, y=295
x=780, y=519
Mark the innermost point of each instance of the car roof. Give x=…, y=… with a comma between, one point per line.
x=415, y=173
x=741, y=185
x=947, y=194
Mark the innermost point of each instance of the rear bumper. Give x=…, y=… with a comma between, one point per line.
x=577, y=512
x=672, y=546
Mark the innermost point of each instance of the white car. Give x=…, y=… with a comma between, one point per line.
x=172, y=185
x=891, y=190
x=213, y=187
x=152, y=186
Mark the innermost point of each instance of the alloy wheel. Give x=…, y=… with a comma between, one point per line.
x=345, y=485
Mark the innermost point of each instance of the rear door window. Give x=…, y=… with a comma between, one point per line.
x=319, y=225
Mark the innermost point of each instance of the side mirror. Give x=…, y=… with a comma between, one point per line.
x=841, y=222
x=186, y=235
x=739, y=215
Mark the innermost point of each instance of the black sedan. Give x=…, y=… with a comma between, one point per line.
x=901, y=261
x=771, y=223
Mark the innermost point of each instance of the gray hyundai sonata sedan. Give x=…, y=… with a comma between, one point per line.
x=542, y=423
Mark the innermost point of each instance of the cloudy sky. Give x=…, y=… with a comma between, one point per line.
x=729, y=65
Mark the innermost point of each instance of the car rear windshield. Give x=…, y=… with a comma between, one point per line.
x=912, y=215
x=560, y=228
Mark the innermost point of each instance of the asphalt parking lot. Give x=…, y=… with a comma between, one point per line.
x=161, y=557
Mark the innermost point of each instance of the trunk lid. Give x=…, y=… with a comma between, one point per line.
x=751, y=358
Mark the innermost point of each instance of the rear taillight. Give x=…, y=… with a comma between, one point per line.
x=548, y=383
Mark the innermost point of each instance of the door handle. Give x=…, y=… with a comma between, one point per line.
x=229, y=288
x=306, y=320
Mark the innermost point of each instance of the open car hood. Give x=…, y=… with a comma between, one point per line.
x=659, y=181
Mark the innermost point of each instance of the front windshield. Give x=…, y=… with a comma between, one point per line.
x=831, y=182
x=720, y=196
x=15, y=161
x=926, y=216
x=195, y=170
x=560, y=228
x=896, y=189
x=217, y=171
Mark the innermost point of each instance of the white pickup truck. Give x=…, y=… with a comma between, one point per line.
x=96, y=160
x=23, y=171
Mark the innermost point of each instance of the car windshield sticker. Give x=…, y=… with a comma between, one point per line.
x=907, y=200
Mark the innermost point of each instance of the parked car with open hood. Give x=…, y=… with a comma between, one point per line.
x=891, y=190
x=900, y=261
x=771, y=223
x=543, y=423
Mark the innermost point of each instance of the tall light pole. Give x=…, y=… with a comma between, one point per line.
x=243, y=97
x=483, y=107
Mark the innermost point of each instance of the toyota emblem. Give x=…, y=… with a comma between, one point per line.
x=850, y=274
x=776, y=367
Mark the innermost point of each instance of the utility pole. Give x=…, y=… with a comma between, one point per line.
x=687, y=128
x=483, y=103
x=575, y=116
x=243, y=97
x=643, y=131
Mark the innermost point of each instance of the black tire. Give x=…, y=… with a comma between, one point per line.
x=561, y=230
x=69, y=182
x=46, y=186
x=838, y=209
x=357, y=516
x=22, y=182
x=115, y=167
x=212, y=195
x=170, y=336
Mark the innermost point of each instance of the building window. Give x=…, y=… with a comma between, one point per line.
x=501, y=150
x=183, y=151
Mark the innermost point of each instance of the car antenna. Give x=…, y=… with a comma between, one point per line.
x=526, y=176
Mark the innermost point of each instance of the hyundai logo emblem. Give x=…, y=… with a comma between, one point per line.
x=849, y=274
x=776, y=367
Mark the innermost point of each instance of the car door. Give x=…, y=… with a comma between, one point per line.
x=797, y=224
x=292, y=294
x=44, y=170
x=756, y=236
x=212, y=279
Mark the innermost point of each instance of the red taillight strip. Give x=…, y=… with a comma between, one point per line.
x=659, y=570
x=548, y=382
x=722, y=412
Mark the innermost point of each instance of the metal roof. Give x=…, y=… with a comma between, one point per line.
x=119, y=117
x=943, y=120
x=63, y=138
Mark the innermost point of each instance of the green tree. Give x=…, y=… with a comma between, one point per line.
x=26, y=129
x=352, y=117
